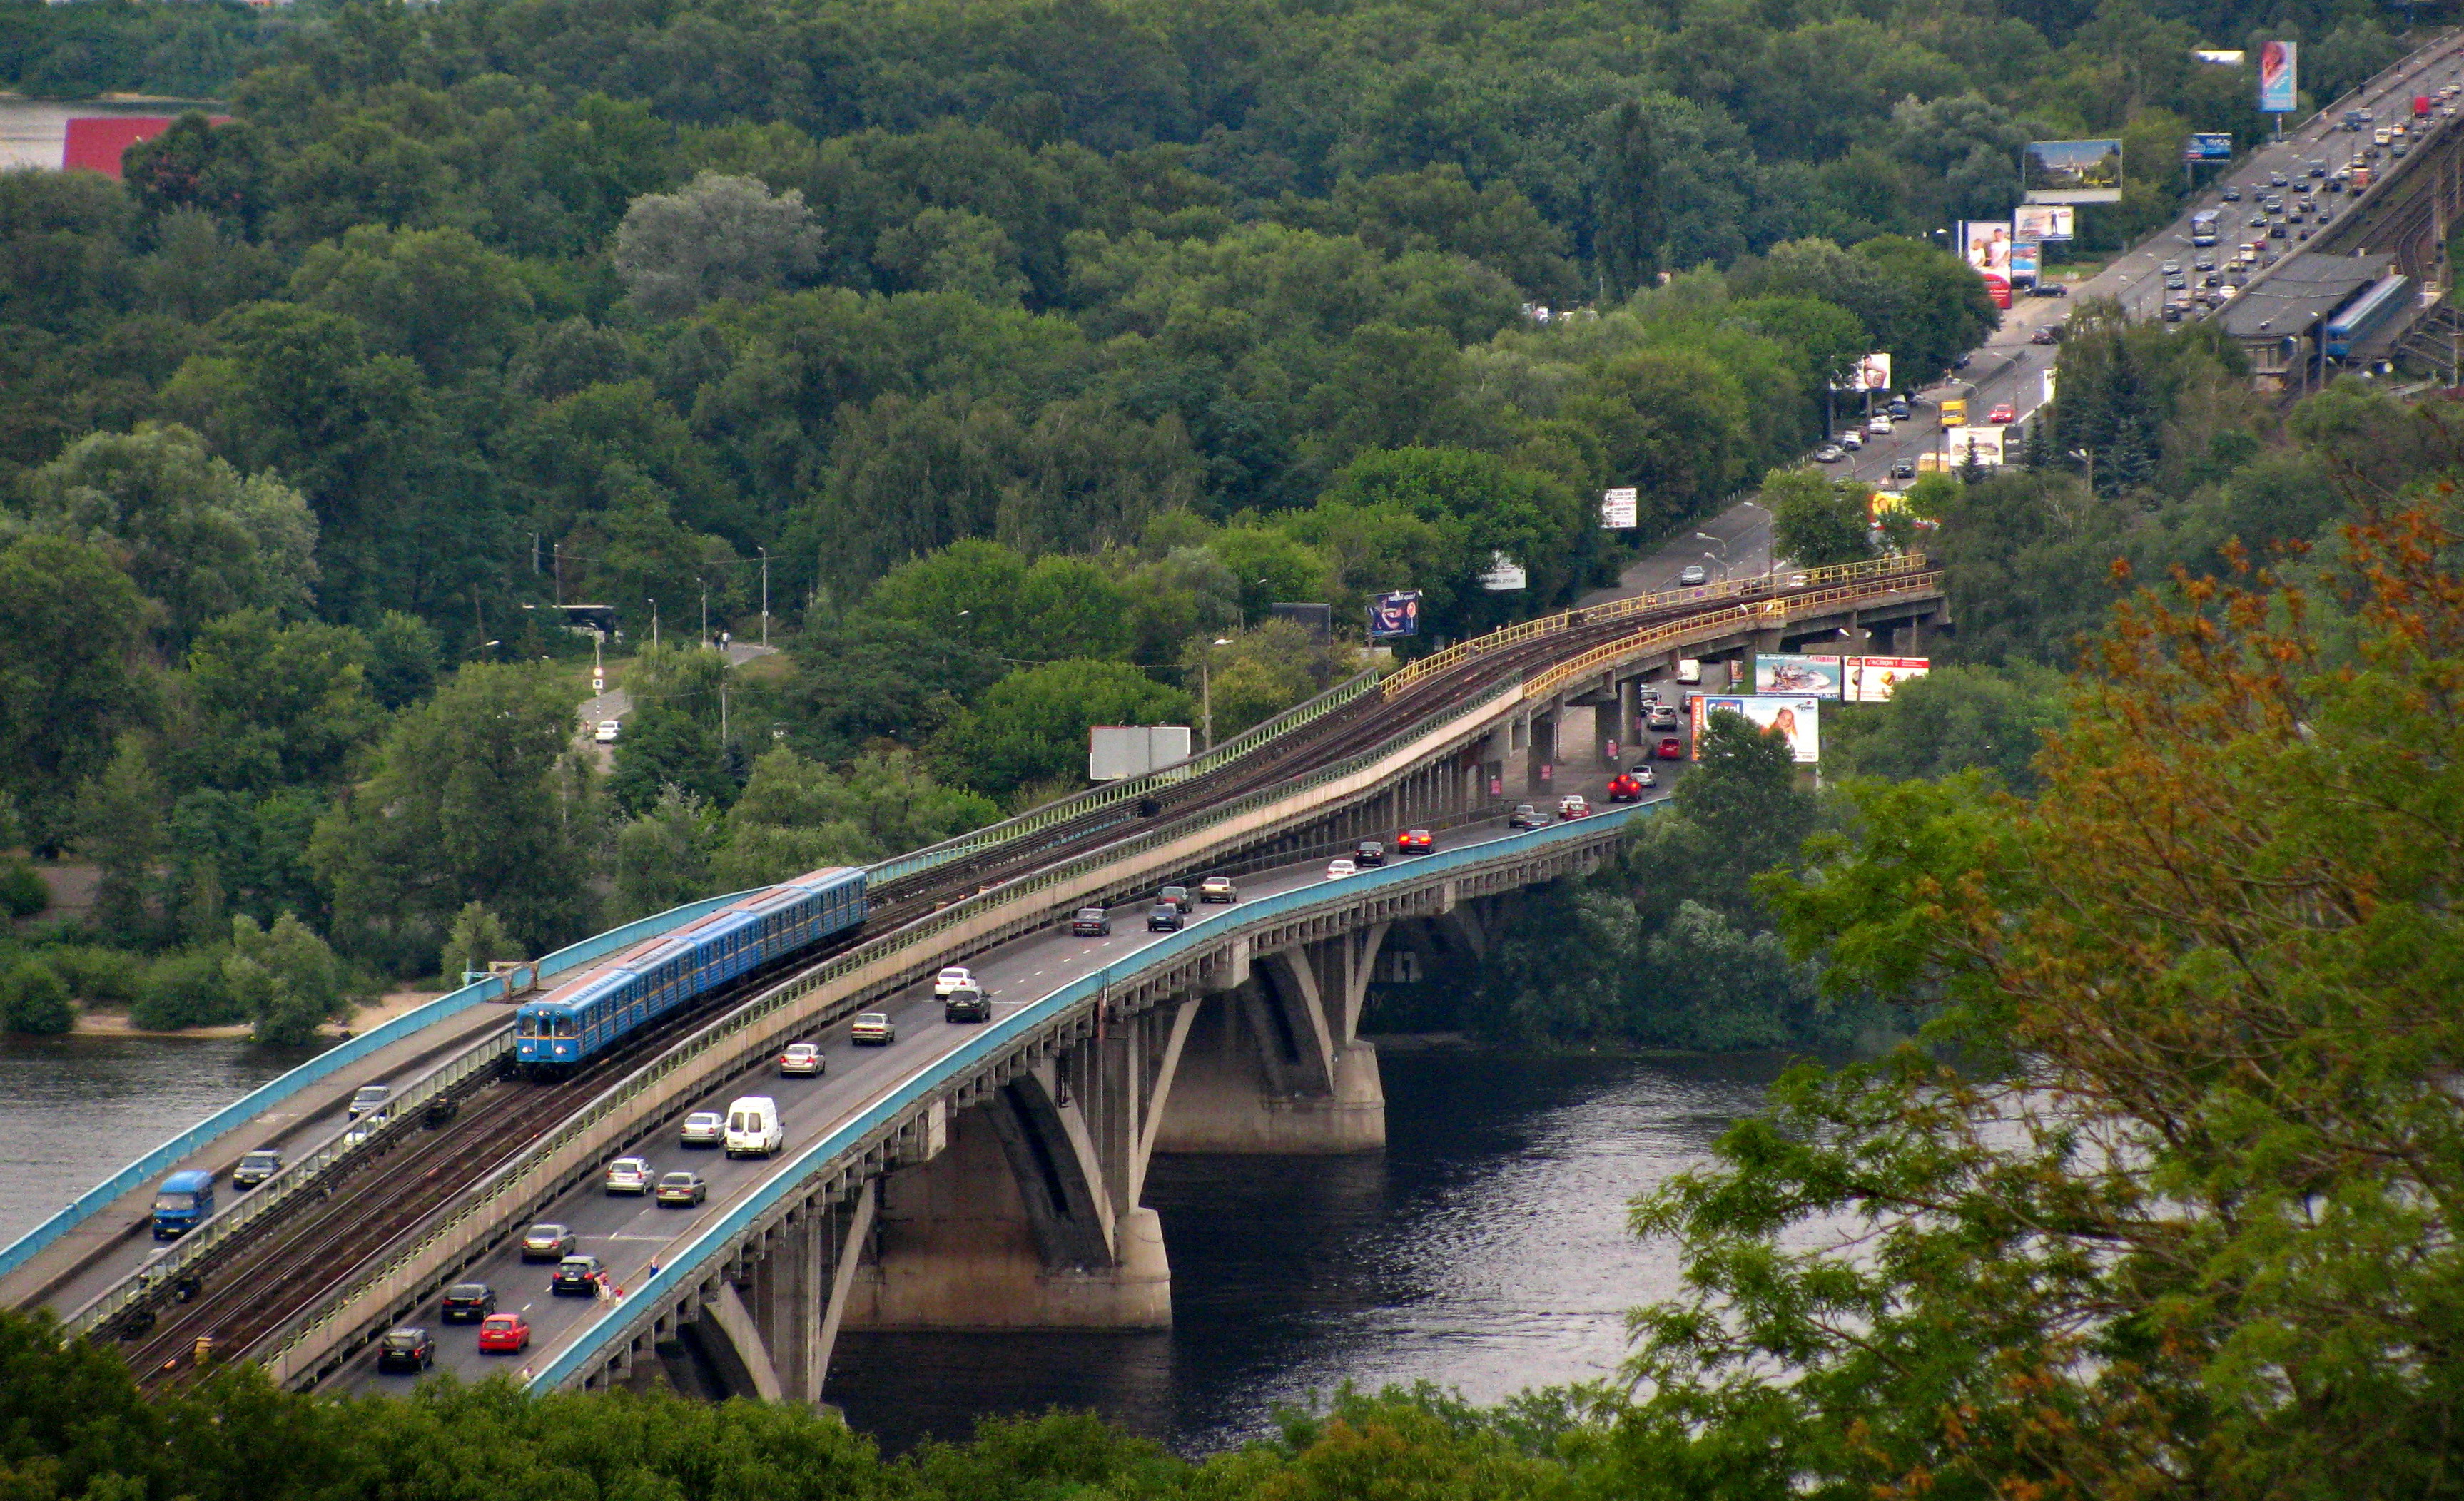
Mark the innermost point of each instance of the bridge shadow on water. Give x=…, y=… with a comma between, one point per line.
x=1486, y=1249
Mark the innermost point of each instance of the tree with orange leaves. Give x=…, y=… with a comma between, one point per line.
x=2169, y=1205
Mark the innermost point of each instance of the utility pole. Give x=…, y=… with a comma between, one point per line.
x=705, y=610
x=654, y=622
x=557, y=554
x=1205, y=702
x=765, y=596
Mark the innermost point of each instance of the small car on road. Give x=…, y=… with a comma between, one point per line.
x=1669, y=748
x=410, y=1348
x=608, y=731
x=547, y=1243
x=969, y=1005
x=1088, y=922
x=1904, y=468
x=1573, y=805
x=504, y=1334
x=575, y=1276
x=1415, y=842
x=1337, y=869
x=1219, y=890
x=1830, y=454
x=1177, y=896
x=704, y=1128
x=630, y=1175
x=255, y=1167
x=951, y=978
x=465, y=1303
x=1624, y=788
x=1878, y=425
x=683, y=1188
x=2002, y=415
x=1525, y=816
x=1165, y=918
x=875, y=1028
x=1693, y=576
x=803, y=1060
x=1368, y=853
x=369, y=1097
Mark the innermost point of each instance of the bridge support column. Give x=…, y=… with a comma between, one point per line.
x=1276, y=1067
x=1540, y=760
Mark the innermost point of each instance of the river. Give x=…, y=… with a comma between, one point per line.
x=1485, y=1251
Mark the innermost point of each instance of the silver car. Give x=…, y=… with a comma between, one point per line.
x=705, y=1128
x=630, y=1175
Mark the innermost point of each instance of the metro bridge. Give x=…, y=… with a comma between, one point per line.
x=967, y=1177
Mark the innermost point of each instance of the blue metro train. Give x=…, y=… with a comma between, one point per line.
x=593, y=1010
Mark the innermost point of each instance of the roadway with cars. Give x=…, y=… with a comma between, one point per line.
x=628, y=1233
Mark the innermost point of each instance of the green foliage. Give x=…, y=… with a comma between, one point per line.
x=93, y=973
x=797, y=816
x=70, y=624
x=1955, y=719
x=283, y=978
x=663, y=856
x=35, y=1000
x=119, y=821
x=477, y=938
x=187, y=989
x=1031, y=727
x=1817, y=521
x=23, y=891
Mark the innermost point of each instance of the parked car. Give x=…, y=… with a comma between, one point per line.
x=1852, y=440
x=504, y=1334
x=2049, y=334
x=1337, y=869
x=704, y=1128
x=1165, y=918
x=630, y=1175
x=410, y=1348
x=1369, y=852
x=1415, y=842
x=1898, y=408
x=951, y=978
x=683, y=1188
x=467, y=1303
x=970, y=1004
x=255, y=1167
x=803, y=1060
x=1878, y=425
x=1525, y=816
x=2052, y=289
x=1218, y=891
x=1670, y=748
x=547, y=1243
x=875, y=1028
x=1177, y=896
x=1089, y=923
x=575, y=1276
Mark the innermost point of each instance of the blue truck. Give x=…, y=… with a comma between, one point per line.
x=183, y=1202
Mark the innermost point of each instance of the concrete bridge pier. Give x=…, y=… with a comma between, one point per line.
x=1277, y=1065
x=1540, y=757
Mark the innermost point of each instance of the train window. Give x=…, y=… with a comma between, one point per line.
x=526, y=1024
x=564, y=1026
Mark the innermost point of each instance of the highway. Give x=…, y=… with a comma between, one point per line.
x=628, y=1233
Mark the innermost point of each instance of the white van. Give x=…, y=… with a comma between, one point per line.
x=752, y=1128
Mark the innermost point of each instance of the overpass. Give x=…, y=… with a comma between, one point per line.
x=965, y=1177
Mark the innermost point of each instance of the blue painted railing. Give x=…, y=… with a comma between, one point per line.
x=250, y=1106
x=690, y=1262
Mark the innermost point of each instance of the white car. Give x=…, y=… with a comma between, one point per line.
x=1880, y=427
x=801, y=1058
x=956, y=977
x=630, y=1175
x=1852, y=440
x=1336, y=870
x=607, y=730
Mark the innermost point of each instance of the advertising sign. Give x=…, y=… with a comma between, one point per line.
x=2023, y=261
x=1986, y=243
x=2072, y=171
x=1818, y=676
x=1874, y=372
x=1396, y=614
x=2209, y=145
x=1792, y=717
x=2043, y=221
x=2279, y=77
x=1116, y=752
x=1620, y=508
x=1984, y=443
x=2221, y=57
x=1502, y=575
x=1872, y=680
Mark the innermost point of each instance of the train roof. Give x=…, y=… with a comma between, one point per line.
x=653, y=950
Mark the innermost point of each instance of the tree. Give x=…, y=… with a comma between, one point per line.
x=274, y=704
x=119, y=828
x=35, y=1000
x=284, y=978
x=667, y=748
x=1815, y=521
x=189, y=529
x=718, y=237
x=1631, y=220
x=797, y=816
x=663, y=856
x=478, y=938
x=403, y=656
x=2181, y=1219
x=437, y=295
x=1953, y=719
x=1032, y=725
x=70, y=624
x=466, y=804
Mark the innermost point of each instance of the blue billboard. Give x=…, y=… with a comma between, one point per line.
x=1396, y=614
x=2210, y=145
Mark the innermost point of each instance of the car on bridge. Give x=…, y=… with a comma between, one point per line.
x=1368, y=853
x=504, y=1334
x=1087, y=923
x=546, y=1242
x=1624, y=788
x=875, y=1028
x=1219, y=890
x=1525, y=816
x=1415, y=842
x=967, y=1006
x=803, y=1060
x=1670, y=748
x=703, y=1128
x=575, y=1276
x=951, y=978
x=1177, y=896
x=630, y=1175
x=368, y=1096
x=1830, y=454
x=1165, y=918
x=1337, y=869
x=1643, y=774
x=1573, y=805
x=683, y=1188
x=465, y=1303
x=255, y=1167
x=410, y=1348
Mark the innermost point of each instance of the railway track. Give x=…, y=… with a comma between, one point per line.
x=288, y=1261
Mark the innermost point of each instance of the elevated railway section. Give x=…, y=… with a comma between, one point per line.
x=1005, y=1160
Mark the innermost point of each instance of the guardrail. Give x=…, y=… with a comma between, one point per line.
x=1066, y=809
x=510, y=1193
x=690, y=1263
x=248, y=1108
x=1754, y=586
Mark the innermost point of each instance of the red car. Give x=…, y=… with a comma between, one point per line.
x=1624, y=788
x=1670, y=748
x=2003, y=415
x=1415, y=842
x=504, y=1334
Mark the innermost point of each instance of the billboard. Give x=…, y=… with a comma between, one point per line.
x=2209, y=145
x=2279, y=77
x=1872, y=680
x=2221, y=57
x=1986, y=245
x=1620, y=508
x=2072, y=171
x=2043, y=221
x=1818, y=676
x=2023, y=260
x=1504, y=574
x=1984, y=444
x=1874, y=372
x=1793, y=717
x=1116, y=752
x=1396, y=614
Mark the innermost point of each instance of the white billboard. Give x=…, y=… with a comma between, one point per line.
x=1870, y=373
x=1986, y=245
x=1872, y=680
x=1793, y=717
x=1790, y=673
x=1620, y=508
x=2042, y=221
x=1117, y=752
x=1504, y=574
x=1983, y=444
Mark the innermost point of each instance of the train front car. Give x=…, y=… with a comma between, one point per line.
x=585, y=1016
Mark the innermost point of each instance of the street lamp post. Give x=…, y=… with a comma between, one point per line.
x=705, y=610
x=765, y=595
x=654, y=622
x=1206, y=694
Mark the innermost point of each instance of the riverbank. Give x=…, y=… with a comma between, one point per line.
x=112, y=1021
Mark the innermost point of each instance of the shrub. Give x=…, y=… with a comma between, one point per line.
x=35, y=1000
x=23, y=892
x=186, y=989
x=95, y=973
